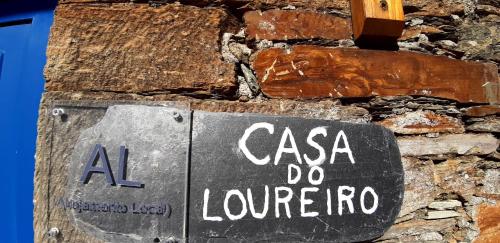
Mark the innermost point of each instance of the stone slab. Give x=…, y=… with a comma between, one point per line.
x=440, y=8
x=462, y=144
x=484, y=110
x=417, y=226
x=420, y=122
x=442, y=205
x=490, y=124
x=442, y=214
x=136, y=48
x=491, y=181
x=461, y=176
x=420, y=188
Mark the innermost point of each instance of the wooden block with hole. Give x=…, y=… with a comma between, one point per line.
x=377, y=20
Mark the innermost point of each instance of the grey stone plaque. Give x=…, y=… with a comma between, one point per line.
x=272, y=178
x=127, y=171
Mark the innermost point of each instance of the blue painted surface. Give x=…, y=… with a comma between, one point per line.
x=24, y=28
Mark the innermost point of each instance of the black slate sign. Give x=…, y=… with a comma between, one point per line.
x=271, y=178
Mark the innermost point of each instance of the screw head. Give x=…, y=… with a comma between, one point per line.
x=177, y=116
x=53, y=232
x=58, y=112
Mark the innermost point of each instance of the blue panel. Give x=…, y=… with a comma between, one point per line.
x=24, y=27
x=1, y=62
x=13, y=42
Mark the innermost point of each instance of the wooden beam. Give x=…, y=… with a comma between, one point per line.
x=309, y=72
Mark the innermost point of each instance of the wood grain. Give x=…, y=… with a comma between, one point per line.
x=375, y=9
x=297, y=24
x=377, y=18
x=310, y=72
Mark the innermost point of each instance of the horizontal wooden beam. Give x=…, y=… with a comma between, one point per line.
x=318, y=72
x=295, y=25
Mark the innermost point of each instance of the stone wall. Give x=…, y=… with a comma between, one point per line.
x=439, y=93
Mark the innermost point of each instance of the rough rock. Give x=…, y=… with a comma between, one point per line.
x=383, y=107
x=250, y=79
x=415, y=31
x=479, y=41
x=137, y=48
x=487, y=9
x=442, y=214
x=459, y=176
x=431, y=236
x=416, y=227
x=462, y=144
x=405, y=218
x=488, y=125
x=491, y=182
x=240, y=51
x=442, y=205
x=295, y=25
x=320, y=72
x=484, y=110
x=434, y=8
x=419, y=185
x=244, y=91
x=488, y=219
x=226, y=53
x=420, y=122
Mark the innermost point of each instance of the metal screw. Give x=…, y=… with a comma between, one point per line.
x=177, y=116
x=383, y=4
x=57, y=111
x=53, y=232
x=171, y=240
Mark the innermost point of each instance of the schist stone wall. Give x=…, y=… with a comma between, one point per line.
x=439, y=93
